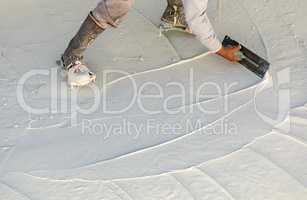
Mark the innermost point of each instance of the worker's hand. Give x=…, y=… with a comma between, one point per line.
x=230, y=54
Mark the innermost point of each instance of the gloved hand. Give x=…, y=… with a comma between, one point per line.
x=232, y=53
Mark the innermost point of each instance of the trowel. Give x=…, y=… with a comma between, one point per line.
x=249, y=59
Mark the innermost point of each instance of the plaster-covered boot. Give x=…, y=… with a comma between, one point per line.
x=77, y=73
x=173, y=17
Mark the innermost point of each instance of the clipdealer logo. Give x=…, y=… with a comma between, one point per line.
x=189, y=97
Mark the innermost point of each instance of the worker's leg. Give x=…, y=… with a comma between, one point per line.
x=107, y=12
x=111, y=12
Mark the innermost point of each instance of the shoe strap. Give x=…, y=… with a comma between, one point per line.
x=75, y=67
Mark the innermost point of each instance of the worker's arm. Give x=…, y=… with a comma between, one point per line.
x=199, y=23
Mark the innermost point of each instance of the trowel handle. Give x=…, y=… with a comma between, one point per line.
x=228, y=42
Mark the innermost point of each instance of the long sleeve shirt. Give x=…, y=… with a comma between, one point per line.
x=199, y=23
